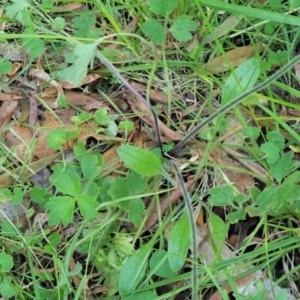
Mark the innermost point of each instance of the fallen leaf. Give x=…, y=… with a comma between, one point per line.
x=228, y=25
x=6, y=111
x=44, y=77
x=68, y=7
x=232, y=58
x=7, y=179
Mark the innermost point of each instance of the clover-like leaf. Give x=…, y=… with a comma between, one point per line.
x=182, y=27
x=221, y=195
x=154, y=30
x=61, y=210
x=87, y=206
x=162, y=7
x=272, y=152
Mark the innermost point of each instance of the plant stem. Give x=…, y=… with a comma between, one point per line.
x=234, y=102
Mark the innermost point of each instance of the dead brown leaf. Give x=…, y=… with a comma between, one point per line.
x=68, y=7
x=80, y=99
x=232, y=58
x=66, y=84
x=7, y=179
x=44, y=77
x=6, y=111
x=155, y=95
x=16, y=67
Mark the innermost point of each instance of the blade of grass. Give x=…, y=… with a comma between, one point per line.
x=251, y=12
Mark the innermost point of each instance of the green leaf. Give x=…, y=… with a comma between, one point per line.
x=160, y=265
x=89, y=165
x=235, y=216
x=133, y=271
x=251, y=132
x=272, y=152
x=119, y=189
x=179, y=243
x=80, y=151
x=276, y=138
x=61, y=209
x=6, y=262
x=217, y=227
x=111, y=130
x=182, y=27
x=38, y=195
x=87, y=206
x=140, y=160
x=5, y=66
x=77, y=72
x=136, y=210
x=128, y=125
x=286, y=193
x=163, y=8
x=58, y=24
x=265, y=199
x=56, y=138
x=102, y=117
x=18, y=8
x=241, y=198
x=155, y=31
x=283, y=166
x=7, y=288
x=241, y=80
x=67, y=185
x=221, y=195
x=146, y=295
x=136, y=183
x=35, y=46
x=18, y=196
x=84, y=25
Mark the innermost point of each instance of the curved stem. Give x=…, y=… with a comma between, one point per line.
x=234, y=102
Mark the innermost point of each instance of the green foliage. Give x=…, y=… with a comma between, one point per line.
x=57, y=138
x=217, y=227
x=133, y=271
x=6, y=262
x=5, y=66
x=35, y=46
x=58, y=23
x=84, y=25
x=159, y=264
x=241, y=80
x=7, y=288
x=140, y=160
x=133, y=185
x=84, y=55
x=180, y=29
x=179, y=243
x=19, y=9
x=273, y=147
x=167, y=147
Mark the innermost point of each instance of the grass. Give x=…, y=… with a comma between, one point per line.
x=77, y=230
